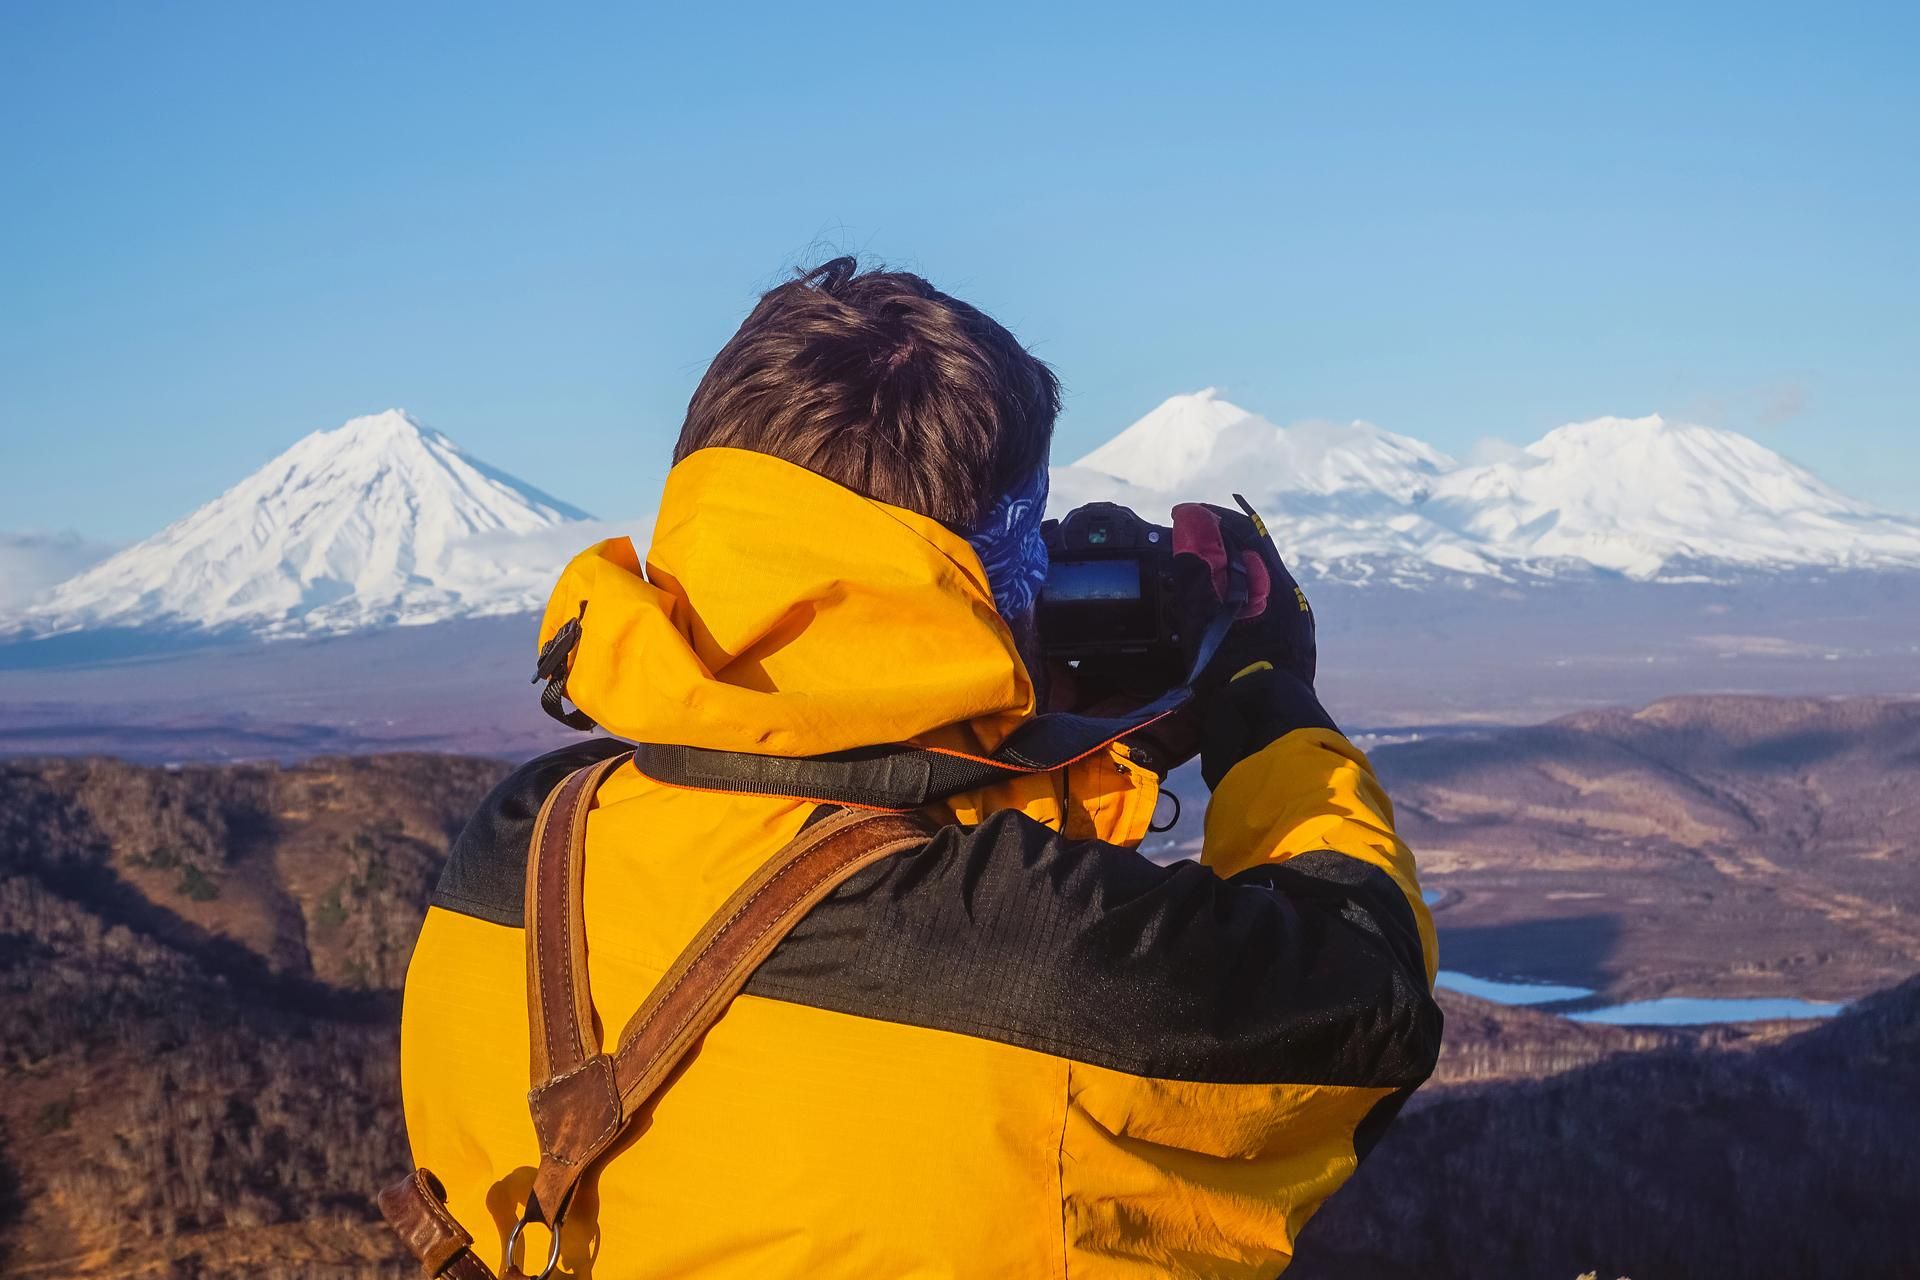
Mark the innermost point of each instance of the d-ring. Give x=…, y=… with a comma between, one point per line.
x=513, y=1238
x=1171, y=822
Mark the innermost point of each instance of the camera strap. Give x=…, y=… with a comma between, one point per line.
x=902, y=777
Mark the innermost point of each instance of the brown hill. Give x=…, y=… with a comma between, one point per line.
x=1704, y=846
x=198, y=975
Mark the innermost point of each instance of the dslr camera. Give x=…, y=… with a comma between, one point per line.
x=1107, y=607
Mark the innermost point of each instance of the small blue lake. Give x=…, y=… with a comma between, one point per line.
x=1508, y=992
x=1693, y=1011
x=1667, y=1011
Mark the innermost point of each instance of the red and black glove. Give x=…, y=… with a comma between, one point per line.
x=1257, y=684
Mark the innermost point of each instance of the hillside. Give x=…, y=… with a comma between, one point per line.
x=198, y=971
x=1792, y=1160
x=1705, y=845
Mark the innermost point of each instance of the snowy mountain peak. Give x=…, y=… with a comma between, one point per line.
x=1655, y=436
x=1636, y=494
x=350, y=527
x=1203, y=437
x=1652, y=424
x=1740, y=469
x=373, y=428
x=1176, y=440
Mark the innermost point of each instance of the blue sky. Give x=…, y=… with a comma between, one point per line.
x=227, y=225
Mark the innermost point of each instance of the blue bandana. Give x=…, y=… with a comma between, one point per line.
x=1010, y=547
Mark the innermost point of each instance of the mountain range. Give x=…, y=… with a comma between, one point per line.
x=1644, y=498
x=384, y=521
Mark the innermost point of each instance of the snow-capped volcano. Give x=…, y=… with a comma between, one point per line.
x=1637, y=496
x=1192, y=438
x=363, y=525
x=1640, y=494
x=1344, y=499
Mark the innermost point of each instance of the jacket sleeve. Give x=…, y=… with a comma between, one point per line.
x=1286, y=783
x=1302, y=970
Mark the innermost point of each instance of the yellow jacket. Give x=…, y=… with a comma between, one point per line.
x=1023, y=1051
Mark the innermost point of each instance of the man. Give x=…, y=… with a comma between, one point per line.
x=1022, y=1050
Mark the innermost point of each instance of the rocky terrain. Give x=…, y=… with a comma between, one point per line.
x=199, y=969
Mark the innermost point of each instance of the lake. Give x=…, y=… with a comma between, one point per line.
x=1667, y=1011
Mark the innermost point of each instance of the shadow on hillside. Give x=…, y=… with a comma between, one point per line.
x=1794, y=750
x=1575, y=949
x=102, y=892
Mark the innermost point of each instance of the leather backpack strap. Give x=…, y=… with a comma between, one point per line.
x=743, y=933
x=416, y=1208
x=583, y=1098
x=561, y=1015
x=559, y=1001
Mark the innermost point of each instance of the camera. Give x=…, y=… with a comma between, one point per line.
x=1107, y=604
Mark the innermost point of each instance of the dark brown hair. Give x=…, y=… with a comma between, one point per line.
x=880, y=382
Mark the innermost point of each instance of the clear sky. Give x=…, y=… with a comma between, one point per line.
x=225, y=225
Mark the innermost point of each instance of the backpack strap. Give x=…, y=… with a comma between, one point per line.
x=559, y=1003
x=583, y=1098
x=416, y=1205
x=416, y=1208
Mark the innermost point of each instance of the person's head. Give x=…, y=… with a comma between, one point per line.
x=881, y=383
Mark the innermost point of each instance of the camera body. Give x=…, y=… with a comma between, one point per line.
x=1108, y=601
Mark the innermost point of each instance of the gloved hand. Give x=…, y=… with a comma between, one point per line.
x=1258, y=684
x=1214, y=551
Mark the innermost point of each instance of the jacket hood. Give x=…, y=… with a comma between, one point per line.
x=783, y=614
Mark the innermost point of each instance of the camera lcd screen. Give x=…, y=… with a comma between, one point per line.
x=1077, y=581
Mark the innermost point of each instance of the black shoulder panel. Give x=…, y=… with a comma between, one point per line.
x=486, y=871
x=1306, y=972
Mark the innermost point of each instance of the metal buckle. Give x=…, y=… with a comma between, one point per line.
x=553, y=1253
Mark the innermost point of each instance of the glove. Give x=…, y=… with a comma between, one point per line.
x=1219, y=555
x=1257, y=685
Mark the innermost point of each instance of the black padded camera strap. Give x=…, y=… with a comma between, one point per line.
x=904, y=777
x=900, y=777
